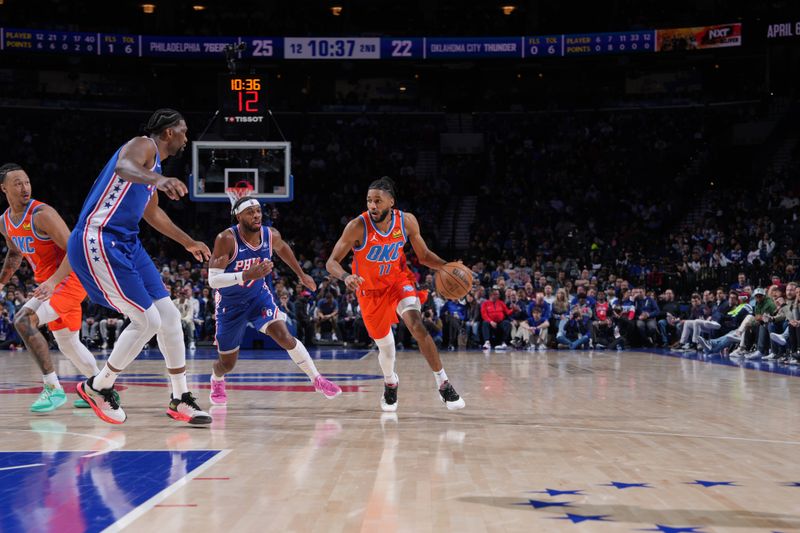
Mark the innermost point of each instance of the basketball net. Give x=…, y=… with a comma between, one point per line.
x=239, y=190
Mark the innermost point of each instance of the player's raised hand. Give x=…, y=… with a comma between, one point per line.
x=308, y=281
x=172, y=187
x=199, y=250
x=353, y=282
x=257, y=270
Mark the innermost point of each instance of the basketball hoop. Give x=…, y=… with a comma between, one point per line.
x=239, y=190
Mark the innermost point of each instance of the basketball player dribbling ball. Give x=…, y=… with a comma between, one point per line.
x=36, y=231
x=107, y=256
x=242, y=257
x=386, y=288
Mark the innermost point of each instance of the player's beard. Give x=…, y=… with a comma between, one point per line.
x=381, y=218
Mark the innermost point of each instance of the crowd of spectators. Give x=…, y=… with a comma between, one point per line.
x=566, y=249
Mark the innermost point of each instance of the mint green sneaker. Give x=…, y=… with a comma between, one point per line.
x=80, y=403
x=49, y=399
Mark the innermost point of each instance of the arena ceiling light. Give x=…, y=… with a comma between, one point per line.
x=148, y=9
x=508, y=9
x=199, y=7
x=336, y=10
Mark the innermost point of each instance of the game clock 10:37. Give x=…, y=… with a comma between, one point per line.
x=242, y=104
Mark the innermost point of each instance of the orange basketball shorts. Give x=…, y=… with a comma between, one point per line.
x=379, y=307
x=66, y=301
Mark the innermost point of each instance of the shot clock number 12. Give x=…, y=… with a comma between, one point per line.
x=249, y=92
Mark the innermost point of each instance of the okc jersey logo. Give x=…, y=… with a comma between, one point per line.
x=383, y=253
x=25, y=244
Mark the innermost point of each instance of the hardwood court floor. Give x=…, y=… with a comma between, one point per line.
x=555, y=441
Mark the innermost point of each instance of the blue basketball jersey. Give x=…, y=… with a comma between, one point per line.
x=115, y=205
x=246, y=255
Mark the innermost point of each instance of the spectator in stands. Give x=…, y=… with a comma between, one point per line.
x=473, y=323
x=327, y=312
x=186, y=309
x=740, y=309
x=575, y=332
x=538, y=327
x=348, y=312
x=305, y=325
x=646, y=311
x=559, y=312
x=109, y=320
x=496, y=325
x=9, y=339
x=285, y=306
x=748, y=330
x=669, y=313
x=453, y=315
x=741, y=282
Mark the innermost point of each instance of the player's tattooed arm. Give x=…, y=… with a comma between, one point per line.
x=286, y=254
x=13, y=259
x=351, y=238
x=424, y=254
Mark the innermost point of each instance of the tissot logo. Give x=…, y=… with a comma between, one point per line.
x=240, y=120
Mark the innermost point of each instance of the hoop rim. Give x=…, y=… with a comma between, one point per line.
x=239, y=190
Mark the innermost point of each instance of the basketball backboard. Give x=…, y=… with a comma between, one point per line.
x=218, y=165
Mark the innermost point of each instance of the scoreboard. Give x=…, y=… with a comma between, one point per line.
x=242, y=104
x=350, y=48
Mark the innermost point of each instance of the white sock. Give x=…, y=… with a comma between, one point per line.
x=105, y=379
x=70, y=345
x=215, y=377
x=302, y=359
x=51, y=379
x=179, y=386
x=387, y=357
x=441, y=377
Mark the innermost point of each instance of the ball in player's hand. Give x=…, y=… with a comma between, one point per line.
x=453, y=281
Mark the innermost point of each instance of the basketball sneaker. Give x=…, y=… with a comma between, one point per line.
x=389, y=398
x=218, y=395
x=80, y=403
x=328, y=389
x=49, y=399
x=187, y=410
x=104, y=403
x=450, y=397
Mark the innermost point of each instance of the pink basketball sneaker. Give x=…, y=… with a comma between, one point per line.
x=329, y=389
x=218, y=395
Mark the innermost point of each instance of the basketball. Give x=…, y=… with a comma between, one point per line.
x=453, y=281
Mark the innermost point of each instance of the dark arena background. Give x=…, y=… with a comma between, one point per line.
x=621, y=177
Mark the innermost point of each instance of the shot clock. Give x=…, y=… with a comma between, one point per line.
x=242, y=105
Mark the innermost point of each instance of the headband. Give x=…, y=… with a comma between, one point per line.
x=252, y=202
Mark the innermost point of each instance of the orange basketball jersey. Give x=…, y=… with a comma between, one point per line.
x=380, y=259
x=41, y=252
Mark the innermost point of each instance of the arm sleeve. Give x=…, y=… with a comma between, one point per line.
x=218, y=278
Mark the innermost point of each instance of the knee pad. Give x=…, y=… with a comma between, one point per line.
x=169, y=315
x=149, y=321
